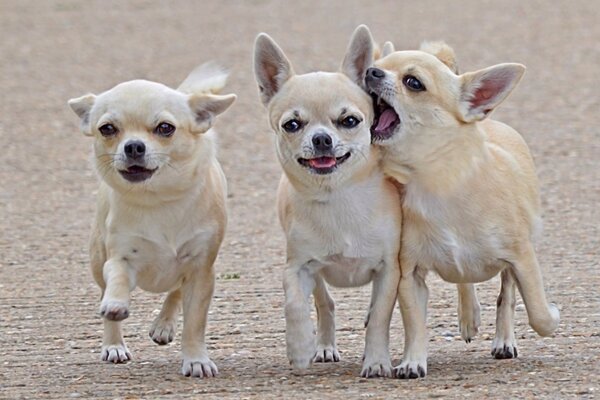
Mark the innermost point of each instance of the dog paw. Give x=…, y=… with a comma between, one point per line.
x=326, y=353
x=410, y=370
x=202, y=367
x=469, y=323
x=115, y=353
x=114, y=310
x=376, y=368
x=162, y=331
x=504, y=349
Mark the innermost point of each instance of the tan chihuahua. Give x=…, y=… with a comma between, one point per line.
x=161, y=205
x=340, y=215
x=471, y=205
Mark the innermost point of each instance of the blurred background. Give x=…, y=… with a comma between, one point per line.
x=54, y=50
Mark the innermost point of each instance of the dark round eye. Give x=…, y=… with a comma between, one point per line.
x=413, y=83
x=292, y=125
x=350, y=122
x=108, y=130
x=164, y=129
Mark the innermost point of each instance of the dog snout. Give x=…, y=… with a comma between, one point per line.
x=135, y=149
x=322, y=142
x=375, y=73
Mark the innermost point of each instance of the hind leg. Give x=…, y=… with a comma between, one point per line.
x=469, y=311
x=505, y=344
x=326, y=348
x=164, y=326
x=543, y=316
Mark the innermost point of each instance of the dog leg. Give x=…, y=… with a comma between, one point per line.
x=298, y=283
x=113, y=346
x=469, y=318
x=412, y=295
x=326, y=348
x=197, y=293
x=164, y=326
x=377, y=360
x=115, y=301
x=543, y=316
x=505, y=344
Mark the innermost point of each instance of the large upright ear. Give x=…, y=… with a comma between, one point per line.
x=359, y=55
x=206, y=107
x=443, y=52
x=82, y=106
x=271, y=67
x=482, y=91
x=388, y=48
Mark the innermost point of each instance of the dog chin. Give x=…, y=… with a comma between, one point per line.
x=323, y=165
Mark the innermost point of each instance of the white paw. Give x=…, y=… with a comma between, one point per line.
x=202, y=367
x=114, y=310
x=411, y=369
x=373, y=368
x=469, y=323
x=115, y=353
x=503, y=348
x=326, y=353
x=162, y=330
x=300, y=343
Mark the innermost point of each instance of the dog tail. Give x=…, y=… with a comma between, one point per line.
x=443, y=52
x=207, y=78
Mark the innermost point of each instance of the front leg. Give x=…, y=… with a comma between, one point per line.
x=412, y=296
x=384, y=292
x=298, y=283
x=114, y=308
x=326, y=348
x=197, y=293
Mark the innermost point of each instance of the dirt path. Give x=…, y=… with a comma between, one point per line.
x=50, y=333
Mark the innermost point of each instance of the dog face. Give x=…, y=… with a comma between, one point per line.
x=419, y=98
x=146, y=134
x=321, y=119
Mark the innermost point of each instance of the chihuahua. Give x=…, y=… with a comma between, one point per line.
x=340, y=215
x=161, y=210
x=471, y=206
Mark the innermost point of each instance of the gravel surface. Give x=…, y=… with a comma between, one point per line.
x=50, y=332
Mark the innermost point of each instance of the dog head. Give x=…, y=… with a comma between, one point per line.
x=321, y=119
x=419, y=98
x=148, y=135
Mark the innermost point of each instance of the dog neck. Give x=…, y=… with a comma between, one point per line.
x=442, y=169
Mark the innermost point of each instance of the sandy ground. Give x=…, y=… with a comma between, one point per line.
x=50, y=332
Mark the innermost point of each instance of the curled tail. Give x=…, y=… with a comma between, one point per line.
x=209, y=78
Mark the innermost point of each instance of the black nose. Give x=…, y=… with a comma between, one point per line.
x=135, y=149
x=322, y=142
x=375, y=73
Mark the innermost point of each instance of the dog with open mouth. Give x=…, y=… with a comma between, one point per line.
x=471, y=205
x=161, y=212
x=340, y=215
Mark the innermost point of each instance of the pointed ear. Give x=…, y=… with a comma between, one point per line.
x=206, y=107
x=82, y=106
x=482, y=91
x=359, y=55
x=443, y=52
x=271, y=67
x=388, y=48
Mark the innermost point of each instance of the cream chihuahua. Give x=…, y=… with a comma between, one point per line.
x=340, y=215
x=161, y=205
x=471, y=206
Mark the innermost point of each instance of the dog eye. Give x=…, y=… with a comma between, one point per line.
x=164, y=129
x=108, y=130
x=350, y=122
x=413, y=83
x=293, y=125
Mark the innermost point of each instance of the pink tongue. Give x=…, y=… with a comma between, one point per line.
x=322, y=162
x=386, y=119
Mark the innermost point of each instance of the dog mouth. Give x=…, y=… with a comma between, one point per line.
x=386, y=119
x=323, y=165
x=137, y=173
